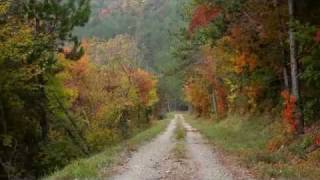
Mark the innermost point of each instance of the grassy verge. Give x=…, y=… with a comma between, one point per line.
x=249, y=138
x=91, y=168
x=179, y=150
x=180, y=132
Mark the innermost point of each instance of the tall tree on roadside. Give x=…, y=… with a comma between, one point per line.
x=32, y=32
x=295, y=89
x=54, y=21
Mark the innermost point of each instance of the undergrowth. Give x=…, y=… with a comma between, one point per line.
x=97, y=165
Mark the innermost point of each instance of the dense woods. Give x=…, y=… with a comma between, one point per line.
x=78, y=76
x=61, y=97
x=253, y=56
x=257, y=58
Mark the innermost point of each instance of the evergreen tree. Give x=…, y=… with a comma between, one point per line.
x=32, y=33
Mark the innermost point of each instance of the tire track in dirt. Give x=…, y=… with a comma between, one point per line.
x=156, y=160
x=144, y=164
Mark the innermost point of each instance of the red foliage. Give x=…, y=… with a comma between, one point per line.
x=317, y=37
x=289, y=110
x=317, y=140
x=202, y=16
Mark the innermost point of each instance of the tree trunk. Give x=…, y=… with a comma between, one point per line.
x=213, y=100
x=286, y=78
x=284, y=54
x=124, y=124
x=76, y=129
x=190, y=109
x=3, y=118
x=44, y=123
x=294, y=70
x=168, y=106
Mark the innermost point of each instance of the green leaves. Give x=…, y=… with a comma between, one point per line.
x=7, y=140
x=31, y=33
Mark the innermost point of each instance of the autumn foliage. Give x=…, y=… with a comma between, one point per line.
x=108, y=92
x=245, y=62
x=205, y=89
x=145, y=83
x=317, y=140
x=222, y=103
x=196, y=93
x=202, y=16
x=289, y=110
x=317, y=37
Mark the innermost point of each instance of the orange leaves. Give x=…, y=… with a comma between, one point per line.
x=76, y=70
x=199, y=92
x=240, y=63
x=145, y=83
x=202, y=16
x=102, y=88
x=245, y=62
x=205, y=89
x=81, y=67
x=289, y=110
x=196, y=93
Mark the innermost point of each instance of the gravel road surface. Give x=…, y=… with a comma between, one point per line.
x=156, y=160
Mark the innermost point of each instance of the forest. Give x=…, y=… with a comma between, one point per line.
x=83, y=80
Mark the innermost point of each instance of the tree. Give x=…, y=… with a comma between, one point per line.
x=295, y=88
x=32, y=33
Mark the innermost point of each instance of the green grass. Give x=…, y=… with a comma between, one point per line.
x=179, y=150
x=93, y=167
x=235, y=134
x=180, y=132
x=248, y=137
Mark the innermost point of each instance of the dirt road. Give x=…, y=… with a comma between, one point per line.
x=157, y=160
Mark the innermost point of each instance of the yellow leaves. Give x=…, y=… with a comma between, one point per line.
x=4, y=6
x=122, y=49
x=99, y=137
x=16, y=40
x=6, y=140
x=109, y=87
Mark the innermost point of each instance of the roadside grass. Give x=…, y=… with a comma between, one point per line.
x=234, y=134
x=179, y=151
x=93, y=167
x=180, y=134
x=248, y=138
